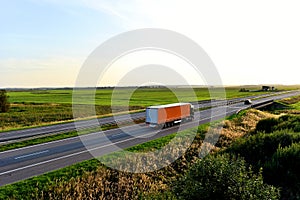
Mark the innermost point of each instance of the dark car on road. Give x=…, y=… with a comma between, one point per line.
x=247, y=102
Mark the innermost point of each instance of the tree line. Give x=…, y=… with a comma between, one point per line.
x=4, y=103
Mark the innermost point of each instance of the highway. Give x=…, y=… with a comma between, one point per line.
x=11, y=136
x=60, y=128
x=23, y=163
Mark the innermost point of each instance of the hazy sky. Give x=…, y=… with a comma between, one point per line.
x=45, y=42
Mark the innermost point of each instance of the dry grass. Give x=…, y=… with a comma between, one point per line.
x=241, y=126
x=291, y=100
x=106, y=183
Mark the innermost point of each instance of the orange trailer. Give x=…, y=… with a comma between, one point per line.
x=170, y=114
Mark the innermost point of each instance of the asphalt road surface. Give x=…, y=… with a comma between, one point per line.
x=11, y=136
x=23, y=163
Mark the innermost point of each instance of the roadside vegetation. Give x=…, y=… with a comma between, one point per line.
x=37, y=114
x=293, y=102
x=257, y=156
x=60, y=136
x=274, y=146
x=223, y=172
x=4, y=103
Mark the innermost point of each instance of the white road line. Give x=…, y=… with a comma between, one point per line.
x=115, y=135
x=234, y=107
x=52, y=142
x=74, y=154
x=32, y=154
x=66, y=156
x=72, y=138
x=18, y=149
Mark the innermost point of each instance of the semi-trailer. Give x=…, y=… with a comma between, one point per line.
x=169, y=114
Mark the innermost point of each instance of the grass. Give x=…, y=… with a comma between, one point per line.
x=77, y=176
x=142, y=147
x=42, y=107
x=32, y=114
x=89, y=175
x=35, y=141
x=82, y=175
x=140, y=97
x=160, y=142
x=30, y=188
x=25, y=114
x=60, y=136
x=296, y=106
x=27, y=188
x=292, y=102
x=46, y=181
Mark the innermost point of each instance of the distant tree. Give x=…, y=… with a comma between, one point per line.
x=4, y=104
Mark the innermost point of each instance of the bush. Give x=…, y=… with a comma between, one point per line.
x=284, y=122
x=266, y=125
x=4, y=104
x=283, y=170
x=289, y=122
x=259, y=148
x=223, y=177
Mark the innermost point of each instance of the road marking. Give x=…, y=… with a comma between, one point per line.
x=56, y=141
x=32, y=154
x=72, y=138
x=74, y=154
x=234, y=107
x=88, y=150
x=115, y=135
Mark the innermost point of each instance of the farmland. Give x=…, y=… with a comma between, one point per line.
x=92, y=179
x=140, y=97
x=45, y=106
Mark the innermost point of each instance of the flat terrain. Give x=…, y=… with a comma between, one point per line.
x=140, y=97
x=29, y=161
x=62, y=182
x=45, y=106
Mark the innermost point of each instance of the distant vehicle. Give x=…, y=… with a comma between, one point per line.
x=247, y=102
x=168, y=115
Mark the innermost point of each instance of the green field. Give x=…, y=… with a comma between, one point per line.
x=65, y=181
x=296, y=106
x=40, y=106
x=140, y=97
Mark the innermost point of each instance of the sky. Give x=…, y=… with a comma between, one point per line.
x=44, y=43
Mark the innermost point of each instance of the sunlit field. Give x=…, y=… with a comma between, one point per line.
x=139, y=97
x=45, y=106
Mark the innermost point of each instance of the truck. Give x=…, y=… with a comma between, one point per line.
x=168, y=115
